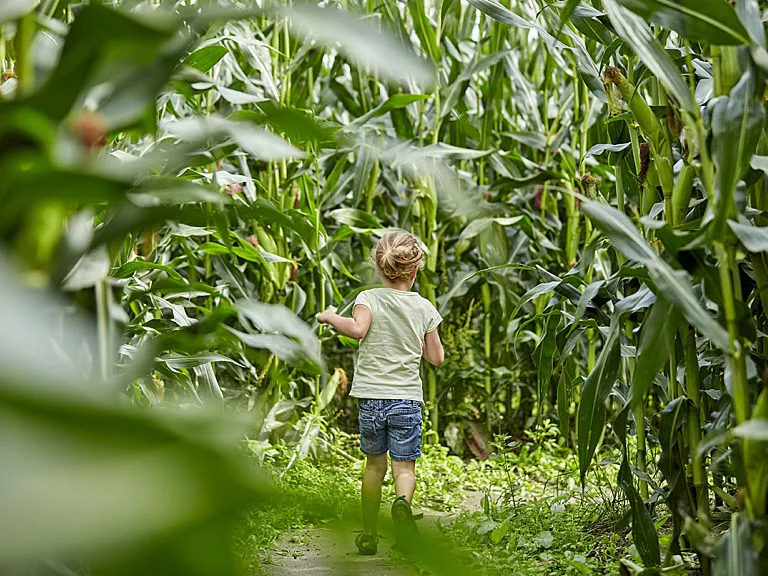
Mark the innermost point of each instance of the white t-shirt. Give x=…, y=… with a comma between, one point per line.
x=390, y=354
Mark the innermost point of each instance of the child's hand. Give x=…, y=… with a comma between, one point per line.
x=325, y=316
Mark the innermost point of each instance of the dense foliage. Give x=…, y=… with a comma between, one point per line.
x=589, y=180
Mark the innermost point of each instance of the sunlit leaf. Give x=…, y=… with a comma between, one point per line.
x=206, y=58
x=255, y=141
x=639, y=36
x=360, y=41
x=713, y=21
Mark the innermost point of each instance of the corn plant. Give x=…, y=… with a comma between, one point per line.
x=588, y=179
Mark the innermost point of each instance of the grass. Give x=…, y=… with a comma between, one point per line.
x=533, y=519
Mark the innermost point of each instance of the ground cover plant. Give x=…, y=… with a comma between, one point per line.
x=185, y=184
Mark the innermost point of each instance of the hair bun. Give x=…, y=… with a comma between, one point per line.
x=397, y=255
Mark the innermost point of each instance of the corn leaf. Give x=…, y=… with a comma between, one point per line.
x=735, y=553
x=754, y=238
x=737, y=123
x=591, y=415
x=360, y=41
x=206, y=58
x=671, y=283
x=656, y=338
x=712, y=21
x=636, y=32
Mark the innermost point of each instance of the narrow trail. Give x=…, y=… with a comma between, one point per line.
x=329, y=549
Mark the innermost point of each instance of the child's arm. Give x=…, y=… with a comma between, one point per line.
x=355, y=327
x=433, y=349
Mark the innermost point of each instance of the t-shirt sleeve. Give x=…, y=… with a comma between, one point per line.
x=433, y=317
x=363, y=299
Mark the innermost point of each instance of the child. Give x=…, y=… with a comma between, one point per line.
x=396, y=328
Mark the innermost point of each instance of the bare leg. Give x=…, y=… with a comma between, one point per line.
x=404, y=474
x=373, y=477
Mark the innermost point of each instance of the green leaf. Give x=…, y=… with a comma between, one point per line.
x=737, y=123
x=277, y=318
x=206, y=58
x=354, y=218
x=536, y=291
x=750, y=16
x=130, y=268
x=586, y=66
x=424, y=29
x=504, y=15
x=709, y=22
x=97, y=33
x=673, y=451
x=475, y=227
x=135, y=95
x=644, y=532
x=156, y=191
x=284, y=348
x=80, y=448
x=735, y=554
x=656, y=339
x=599, y=149
x=513, y=183
x=179, y=362
x=566, y=12
x=500, y=531
x=672, y=284
x=755, y=429
x=591, y=416
x=59, y=184
x=394, y=102
x=249, y=253
x=493, y=244
x=544, y=355
x=588, y=21
x=754, y=238
x=255, y=141
x=458, y=286
x=88, y=271
x=564, y=387
x=328, y=392
x=640, y=38
x=455, y=91
x=360, y=41
x=298, y=126
x=585, y=300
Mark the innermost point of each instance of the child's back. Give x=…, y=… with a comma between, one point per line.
x=390, y=354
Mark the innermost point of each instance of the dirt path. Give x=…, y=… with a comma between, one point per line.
x=329, y=549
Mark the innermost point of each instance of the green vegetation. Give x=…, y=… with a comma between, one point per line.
x=500, y=512
x=184, y=184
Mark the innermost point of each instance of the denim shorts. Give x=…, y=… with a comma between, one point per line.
x=390, y=425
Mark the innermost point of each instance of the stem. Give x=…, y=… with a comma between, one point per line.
x=673, y=390
x=486, y=291
x=739, y=386
x=102, y=322
x=25, y=67
x=698, y=472
x=572, y=231
x=619, y=189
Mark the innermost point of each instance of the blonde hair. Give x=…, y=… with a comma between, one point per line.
x=397, y=255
